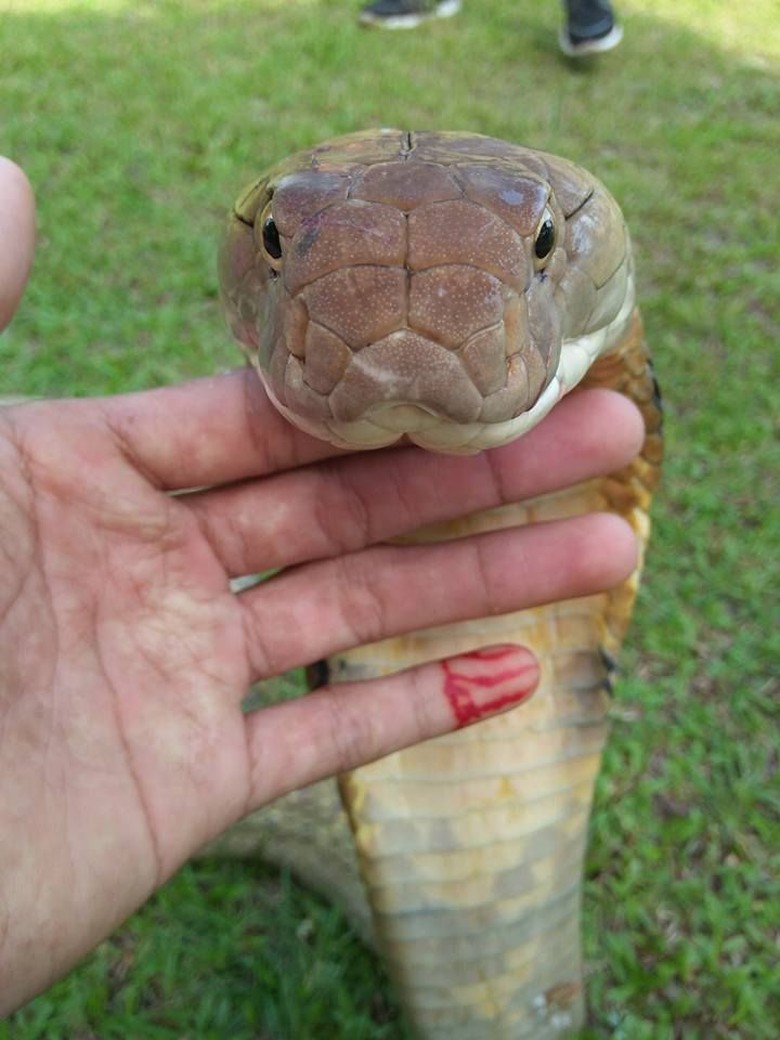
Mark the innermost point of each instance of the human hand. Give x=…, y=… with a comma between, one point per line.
x=125, y=656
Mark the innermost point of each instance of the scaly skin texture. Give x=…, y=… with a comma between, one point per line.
x=390, y=284
x=446, y=287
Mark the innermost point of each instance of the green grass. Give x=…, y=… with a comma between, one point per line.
x=138, y=123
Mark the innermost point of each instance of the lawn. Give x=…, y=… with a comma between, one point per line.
x=138, y=122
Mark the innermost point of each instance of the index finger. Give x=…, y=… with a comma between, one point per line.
x=210, y=431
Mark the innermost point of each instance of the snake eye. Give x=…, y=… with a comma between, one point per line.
x=544, y=243
x=271, y=241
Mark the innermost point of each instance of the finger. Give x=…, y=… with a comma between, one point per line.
x=352, y=502
x=207, y=431
x=17, y=236
x=310, y=612
x=340, y=727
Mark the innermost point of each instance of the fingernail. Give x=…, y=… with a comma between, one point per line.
x=488, y=681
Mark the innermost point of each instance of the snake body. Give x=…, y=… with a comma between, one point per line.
x=449, y=288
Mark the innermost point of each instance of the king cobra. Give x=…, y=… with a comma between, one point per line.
x=447, y=289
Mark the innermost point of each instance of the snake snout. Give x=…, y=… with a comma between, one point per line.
x=448, y=346
x=405, y=369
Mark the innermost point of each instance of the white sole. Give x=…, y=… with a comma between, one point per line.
x=446, y=9
x=583, y=48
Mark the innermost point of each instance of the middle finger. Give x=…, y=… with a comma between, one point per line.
x=347, y=503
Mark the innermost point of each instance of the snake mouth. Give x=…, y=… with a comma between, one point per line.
x=405, y=418
x=390, y=422
x=382, y=423
x=415, y=424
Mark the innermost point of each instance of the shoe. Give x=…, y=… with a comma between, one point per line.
x=576, y=46
x=589, y=28
x=406, y=14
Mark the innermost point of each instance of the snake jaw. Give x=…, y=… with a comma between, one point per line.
x=449, y=293
x=386, y=424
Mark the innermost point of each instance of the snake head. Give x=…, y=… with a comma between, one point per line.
x=443, y=288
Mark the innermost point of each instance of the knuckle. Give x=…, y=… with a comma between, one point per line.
x=340, y=513
x=350, y=732
x=363, y=608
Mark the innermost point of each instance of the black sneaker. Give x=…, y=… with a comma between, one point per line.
x=406, y=14
x=590, y=28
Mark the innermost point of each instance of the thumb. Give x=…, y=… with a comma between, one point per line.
x=17, y=236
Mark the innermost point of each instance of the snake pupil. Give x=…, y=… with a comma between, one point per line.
x=271, y=240
x=545, y=239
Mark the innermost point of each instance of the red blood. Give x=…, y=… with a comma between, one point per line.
x=477, y=685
